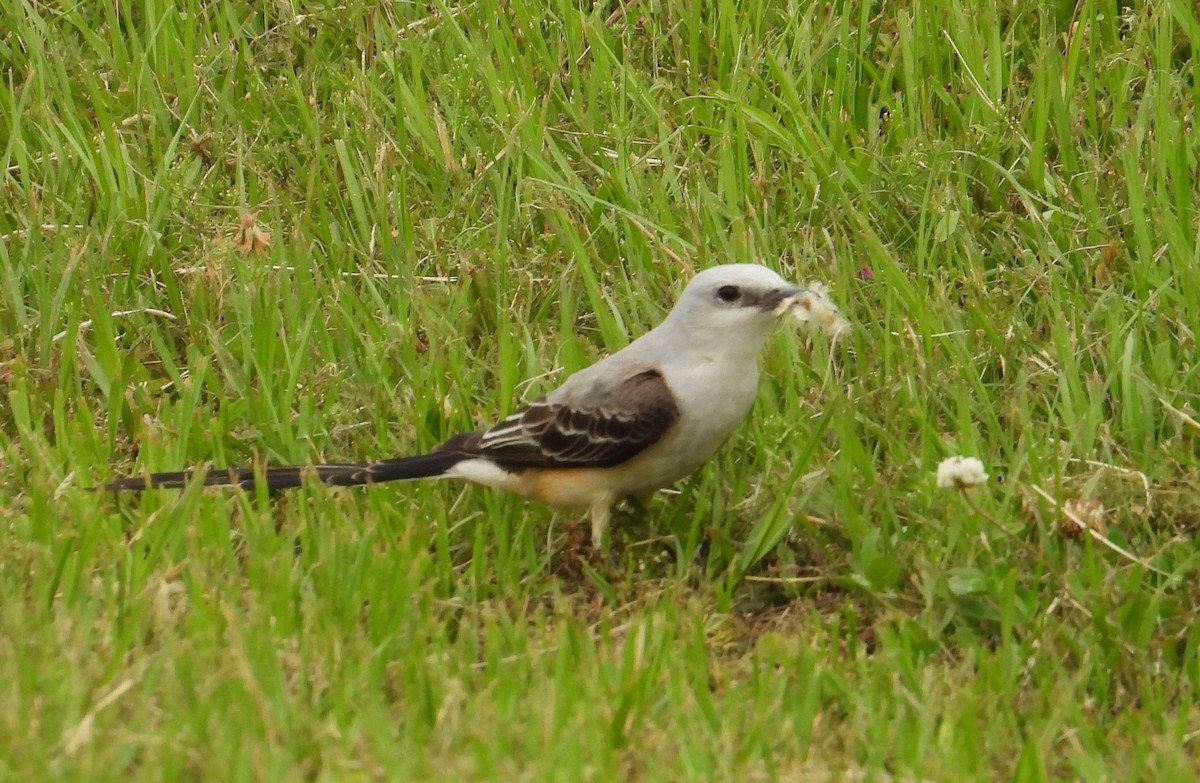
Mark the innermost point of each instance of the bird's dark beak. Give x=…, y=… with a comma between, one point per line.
x=778, y=299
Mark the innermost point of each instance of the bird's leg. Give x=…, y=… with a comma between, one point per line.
x=601, y=515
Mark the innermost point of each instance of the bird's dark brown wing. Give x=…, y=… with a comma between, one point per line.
x=601, y=432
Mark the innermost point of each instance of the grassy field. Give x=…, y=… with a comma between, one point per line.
x=236, y=232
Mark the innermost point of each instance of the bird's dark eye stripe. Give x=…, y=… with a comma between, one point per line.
x=729, y=293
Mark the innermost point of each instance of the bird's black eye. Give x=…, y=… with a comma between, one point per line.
x=729, y=293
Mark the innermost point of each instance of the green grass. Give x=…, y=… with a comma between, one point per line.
x=466, y=203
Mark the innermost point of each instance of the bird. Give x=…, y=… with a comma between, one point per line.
x=623, y=428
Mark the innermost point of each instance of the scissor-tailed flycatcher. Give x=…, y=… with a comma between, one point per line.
x=632, y=423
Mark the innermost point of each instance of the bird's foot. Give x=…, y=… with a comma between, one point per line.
x=579, y=558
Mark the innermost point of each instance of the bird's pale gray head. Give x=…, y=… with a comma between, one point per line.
x=735, y=294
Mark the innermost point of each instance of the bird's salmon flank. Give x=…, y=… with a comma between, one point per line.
x=630, y=424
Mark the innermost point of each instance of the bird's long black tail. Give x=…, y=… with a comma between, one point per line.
x=348, y=474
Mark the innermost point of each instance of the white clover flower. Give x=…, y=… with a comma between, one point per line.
x=960, y=473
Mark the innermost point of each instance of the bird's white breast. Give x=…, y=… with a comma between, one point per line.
x=713, y=400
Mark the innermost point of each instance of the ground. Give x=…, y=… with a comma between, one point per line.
x=280, y=232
